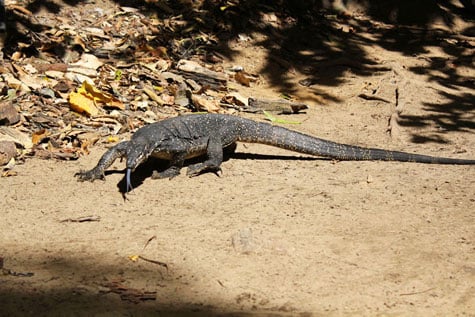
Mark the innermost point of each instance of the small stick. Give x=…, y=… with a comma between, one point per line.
x=82, y=219
x=415, y=293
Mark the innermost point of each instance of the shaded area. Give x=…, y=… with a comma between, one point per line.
x=307, y=35
x=311, y=26
x=71, y=286
x=448, y=117
x=322, y=39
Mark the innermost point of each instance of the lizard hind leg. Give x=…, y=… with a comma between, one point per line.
x=230, y=149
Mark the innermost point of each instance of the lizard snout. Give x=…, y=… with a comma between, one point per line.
x=136, y=155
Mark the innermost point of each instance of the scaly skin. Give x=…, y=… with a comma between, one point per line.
x=180, y=138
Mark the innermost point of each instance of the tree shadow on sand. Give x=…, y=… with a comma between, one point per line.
x=307, y=36
x=71, y=285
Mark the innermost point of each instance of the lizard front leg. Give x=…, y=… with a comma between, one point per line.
x=215, y=158
x=106, y=160
x=173, y=169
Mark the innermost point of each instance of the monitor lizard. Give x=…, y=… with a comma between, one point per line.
x=183, y=137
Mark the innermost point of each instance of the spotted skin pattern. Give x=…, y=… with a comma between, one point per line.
x=183, y=137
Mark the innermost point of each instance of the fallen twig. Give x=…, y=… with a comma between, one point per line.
x=162, y=264
x=130, y=294
x=372, y=97
x=82, y=219
x=415, y=293
x=148, y=241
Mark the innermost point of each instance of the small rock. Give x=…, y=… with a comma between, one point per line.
x=8, y=114
x=46, y=92
x=237, y=68
x=7, y=151
x=243, y=241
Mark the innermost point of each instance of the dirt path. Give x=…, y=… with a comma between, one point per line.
x=277, y=233
x=270, y=235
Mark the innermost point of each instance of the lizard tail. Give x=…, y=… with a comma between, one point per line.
x=266, y=133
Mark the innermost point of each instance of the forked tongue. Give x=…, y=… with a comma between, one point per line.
x=127, y=180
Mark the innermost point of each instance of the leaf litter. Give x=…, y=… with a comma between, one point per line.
x=87, y=76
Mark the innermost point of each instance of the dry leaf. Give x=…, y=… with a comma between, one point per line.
x=14, y=83
x=82, y=103
x=88, y=61
x=133, y=258
x=112, y=139
x=87, y=97
x=9, y=173
x=8, y=113
x=204, y=104
x=241, y=78
x=7, y=151
x=100, y=96
x=237, y=99
x=38, y=136
x=154, y=96
x=9, y=134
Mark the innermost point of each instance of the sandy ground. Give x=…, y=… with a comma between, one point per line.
x=277, y=234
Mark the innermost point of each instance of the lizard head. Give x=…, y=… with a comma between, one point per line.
x=137, y=152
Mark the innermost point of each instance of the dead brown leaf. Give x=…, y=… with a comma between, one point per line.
x=39, y=136
x=202, y=103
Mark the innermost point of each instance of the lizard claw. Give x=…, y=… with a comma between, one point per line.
x=218, y=172
x=200, y=168
x=90, y=175
x=169, y=173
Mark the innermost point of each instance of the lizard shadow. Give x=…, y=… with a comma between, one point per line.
x=269, y=157
x=142, y=172
x=146, y=169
